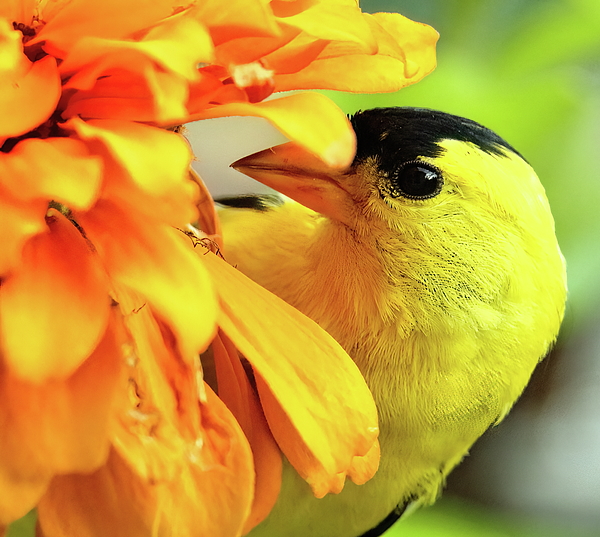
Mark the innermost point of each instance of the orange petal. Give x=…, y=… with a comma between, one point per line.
x=146, y=168
x=208, y=219
x=295, y=55
x=59, y=169
x=19, y=495
x=18, y=222
x=10, y=10
x=154, y=159
x=176, y=46
x=210, y=495
x=158, y=425
x=109, y=18
x=235, y=391
x=151, y=96
x=54, y=308
x=210, y=91
x=310, y=389
x=236, y=19
x=29, y=94
x=156, y=261
x=311, y=119
x=240, y=50
x=181, y=464
x=60, y=426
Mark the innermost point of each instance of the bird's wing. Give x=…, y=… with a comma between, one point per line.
x=255, y=202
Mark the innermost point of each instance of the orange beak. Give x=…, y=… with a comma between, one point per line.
x=293, y=171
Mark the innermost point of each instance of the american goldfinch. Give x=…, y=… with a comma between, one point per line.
x=433, y=261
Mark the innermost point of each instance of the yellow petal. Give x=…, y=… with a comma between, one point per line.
x=311, y=119
x=363, y=468
x=316, y=401
x=146, y=169
x=54, y=307
x=406, y=53
x=339, y=21
x=156, y=261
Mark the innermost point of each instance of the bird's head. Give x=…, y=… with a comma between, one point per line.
x=458, y=216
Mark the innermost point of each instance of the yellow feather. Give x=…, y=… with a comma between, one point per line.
x=446, y=305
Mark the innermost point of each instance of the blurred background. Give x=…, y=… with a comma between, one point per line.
x=530, y=70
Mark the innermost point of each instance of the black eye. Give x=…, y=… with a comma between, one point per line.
x=416, y=180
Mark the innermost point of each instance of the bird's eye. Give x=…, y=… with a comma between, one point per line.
x=416, y=180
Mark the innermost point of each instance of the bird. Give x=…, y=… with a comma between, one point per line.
x=432, y=259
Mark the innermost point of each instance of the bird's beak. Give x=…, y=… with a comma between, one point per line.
x=298, y=174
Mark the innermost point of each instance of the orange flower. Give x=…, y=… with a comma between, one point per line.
x=108, y=426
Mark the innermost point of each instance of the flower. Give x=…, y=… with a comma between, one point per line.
x=105, y=304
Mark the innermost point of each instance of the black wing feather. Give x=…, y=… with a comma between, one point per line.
x=255, y=202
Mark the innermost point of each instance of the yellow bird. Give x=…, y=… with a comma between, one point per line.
x=433, y=261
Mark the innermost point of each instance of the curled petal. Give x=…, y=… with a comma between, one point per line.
x=311, y=119
x=363, y=467
x=59, y=169
x=406, y=53
x=54, y=308
x=208, y=220
x=180, y=459
x=294, y=391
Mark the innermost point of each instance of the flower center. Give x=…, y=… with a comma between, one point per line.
x=33, y=52
x=27, y=31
